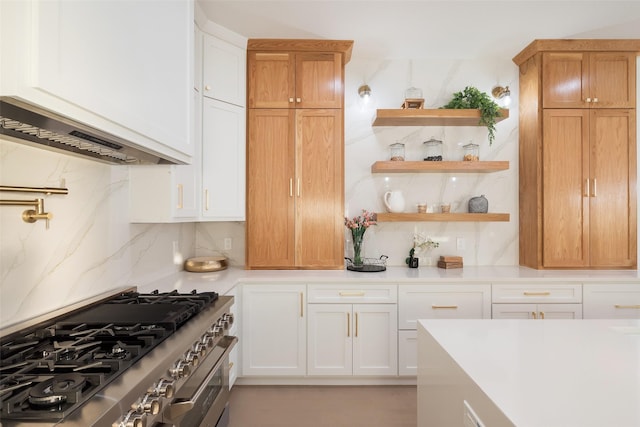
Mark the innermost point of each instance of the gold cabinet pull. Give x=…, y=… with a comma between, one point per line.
x=180, y=194
x=586, y=193
x=633, y=306
x=595, y=99
x=230, y=365
x=539, y=294
x=444, y=307
x=595, y=188
x=301, y=304
x=206, y=199
x=356, y=324
x=588, y=99
x=290, y=99
x=351, y=293
x=348, y=324
x=298, y=187
x=290, y=187
x=298, y=100
x=533, y=313
x=542, y=315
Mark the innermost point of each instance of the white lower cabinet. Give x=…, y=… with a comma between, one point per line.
x=609, y=301
x=352, y=339
x=437, y=301
x=537, y=301
x=537, y=311
x=274, y=330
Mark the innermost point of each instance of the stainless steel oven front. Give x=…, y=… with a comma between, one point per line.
x=202, y=400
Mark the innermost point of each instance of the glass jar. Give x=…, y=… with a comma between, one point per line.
x=397, y=152
x=471, y=152
x=432, y=150
x=413, y=93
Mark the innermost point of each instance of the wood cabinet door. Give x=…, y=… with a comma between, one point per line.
x=271, y=80
x=612, y=194
x=319, y=80
x=564, y=80
x=612, y=79
x=270, y=182
x=319, y=194
x=565, y=204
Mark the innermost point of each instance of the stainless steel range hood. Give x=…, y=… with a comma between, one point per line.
x=40, y=127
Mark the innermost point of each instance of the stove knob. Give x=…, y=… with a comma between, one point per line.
x=163, y=388
x=180, y=369
x=132, y=419
x=223, y=324
x=192, y=358
x=218, y=331
x=200, y=348
x=228, y=317
x=148, y=404
x=207, y=340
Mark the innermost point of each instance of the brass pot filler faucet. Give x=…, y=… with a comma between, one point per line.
x=32, y=215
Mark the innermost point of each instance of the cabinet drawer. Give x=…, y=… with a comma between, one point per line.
x=612, y=301
x=537, y=293
x=352, y=293
x=442, y=302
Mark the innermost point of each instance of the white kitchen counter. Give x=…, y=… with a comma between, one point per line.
x=225, y=280
x=524, y=373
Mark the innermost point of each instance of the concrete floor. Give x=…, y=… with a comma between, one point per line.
x=323, y=406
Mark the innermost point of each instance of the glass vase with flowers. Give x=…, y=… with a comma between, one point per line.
x=358, y=225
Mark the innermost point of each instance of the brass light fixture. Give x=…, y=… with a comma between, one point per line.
x=365, y=92
x=503, y=94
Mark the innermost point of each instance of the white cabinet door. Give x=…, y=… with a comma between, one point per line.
x=408, y=353
x=537, y=311
x=224, y=71
x=273, y=329
x=330, y=339
x=223, y=161
x=124, y=67
x=611, y=301
x=346, y=339
x=375, y=339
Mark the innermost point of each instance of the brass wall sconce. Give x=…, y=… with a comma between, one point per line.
x=502, y=94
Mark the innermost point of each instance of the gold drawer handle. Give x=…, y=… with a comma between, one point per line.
x=531, y=294
x=437, y=307
x=352, y=294
x=637, y=306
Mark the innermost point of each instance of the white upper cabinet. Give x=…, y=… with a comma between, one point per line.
x=224, y=71
x=125, y=67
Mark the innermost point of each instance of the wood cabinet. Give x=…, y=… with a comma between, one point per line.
x=611, y=301
x=347, y=338
x=577, y=161
x=274, y=329
x=295, y=154
x=536, y=301
x=435, y=301
x=589, y=79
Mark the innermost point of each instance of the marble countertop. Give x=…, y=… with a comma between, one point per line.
x=550, y=373
x=223, y=281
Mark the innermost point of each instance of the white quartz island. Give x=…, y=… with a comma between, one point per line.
x=527, y=373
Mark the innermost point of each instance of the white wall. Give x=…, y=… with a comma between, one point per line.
x=90, y=246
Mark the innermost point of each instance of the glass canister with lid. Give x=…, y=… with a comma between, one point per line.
x=471, y=152
x=397, y=152
x=432, y=150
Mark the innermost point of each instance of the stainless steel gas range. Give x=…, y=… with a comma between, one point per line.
x=124, y=359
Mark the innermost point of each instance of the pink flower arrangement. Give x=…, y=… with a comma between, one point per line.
x=361, y=222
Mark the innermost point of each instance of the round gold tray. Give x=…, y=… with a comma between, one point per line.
x=205, y=264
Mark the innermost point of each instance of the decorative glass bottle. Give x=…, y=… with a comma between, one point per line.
x=397, y=151
x=432, y=150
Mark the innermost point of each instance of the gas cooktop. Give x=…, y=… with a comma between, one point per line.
x=52, y=369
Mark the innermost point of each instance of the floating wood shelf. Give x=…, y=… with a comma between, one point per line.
x=437, y=117
x=425, y=167
x=443, y=217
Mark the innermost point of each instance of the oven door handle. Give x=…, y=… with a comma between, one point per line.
x=177, y=409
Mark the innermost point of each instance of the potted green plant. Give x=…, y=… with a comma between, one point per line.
x=472, y=98
x=420, y=242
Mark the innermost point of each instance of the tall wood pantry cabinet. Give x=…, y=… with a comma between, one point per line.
x=295, y=153
x=577, y=160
